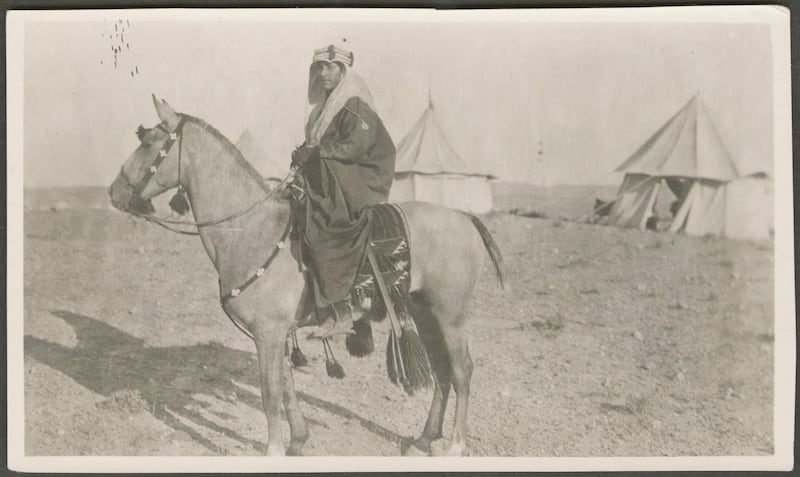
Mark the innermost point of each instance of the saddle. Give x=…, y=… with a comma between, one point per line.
x=389, y=247
x=389, y=257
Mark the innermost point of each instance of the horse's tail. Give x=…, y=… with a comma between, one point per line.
x=491, y=248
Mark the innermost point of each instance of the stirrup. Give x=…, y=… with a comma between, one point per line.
x=308, y=321
x=334, y=324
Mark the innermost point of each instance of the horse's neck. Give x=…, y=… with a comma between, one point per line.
x=220, y=186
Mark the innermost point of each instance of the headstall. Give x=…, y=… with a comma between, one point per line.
x=174, y=136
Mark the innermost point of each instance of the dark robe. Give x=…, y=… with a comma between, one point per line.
x=352, y=168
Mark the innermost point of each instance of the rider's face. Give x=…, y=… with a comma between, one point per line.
x=330, y=75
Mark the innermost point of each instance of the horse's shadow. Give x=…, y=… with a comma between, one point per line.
x=107, y=360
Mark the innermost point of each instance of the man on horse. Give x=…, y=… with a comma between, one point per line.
x=347, y=165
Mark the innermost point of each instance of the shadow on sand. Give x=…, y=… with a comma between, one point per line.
x=107, y=360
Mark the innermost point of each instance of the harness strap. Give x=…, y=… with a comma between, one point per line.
x=162, y=154
x=376, y=272
x=171, y=229
x=235, y=322
x=260, y=271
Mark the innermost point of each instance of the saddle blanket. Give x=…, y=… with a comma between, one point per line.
x=389, y=244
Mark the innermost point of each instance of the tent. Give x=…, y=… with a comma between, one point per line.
x=713, y=196
x=251, y=149
x=428, y=169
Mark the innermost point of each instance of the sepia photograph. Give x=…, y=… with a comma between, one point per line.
x=536, y=239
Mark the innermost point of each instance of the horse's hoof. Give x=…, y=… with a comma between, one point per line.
x=414, y=451
x=455, y=450
x=443, y=448
x=296, y=445
x=294, y=452
x=275, y=451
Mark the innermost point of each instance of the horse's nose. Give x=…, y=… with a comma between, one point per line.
x=117, y=193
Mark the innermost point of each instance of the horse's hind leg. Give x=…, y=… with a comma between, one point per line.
x=461, y=368
x=431, y=337
x=297, y=424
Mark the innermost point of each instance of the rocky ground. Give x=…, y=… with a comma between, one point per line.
x=610, y=342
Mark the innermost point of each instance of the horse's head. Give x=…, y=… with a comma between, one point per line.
x=154, y=167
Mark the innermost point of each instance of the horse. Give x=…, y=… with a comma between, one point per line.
x=240, y=226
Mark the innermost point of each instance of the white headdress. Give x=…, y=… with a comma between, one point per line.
x=326, y=106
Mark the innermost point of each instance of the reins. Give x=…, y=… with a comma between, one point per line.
x=177, y=136
x=165, y=222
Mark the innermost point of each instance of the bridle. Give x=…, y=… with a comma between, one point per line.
x=176, y=135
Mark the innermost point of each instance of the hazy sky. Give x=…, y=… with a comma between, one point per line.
x=590, y=92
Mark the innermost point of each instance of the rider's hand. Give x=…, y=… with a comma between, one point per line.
x=301, y=155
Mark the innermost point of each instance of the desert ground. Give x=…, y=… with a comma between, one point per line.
x=608, y=342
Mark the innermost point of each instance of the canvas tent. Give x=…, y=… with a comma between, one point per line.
x=428, y=169
x=713, y=196
x=251, y=149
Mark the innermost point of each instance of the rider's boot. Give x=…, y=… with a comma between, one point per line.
x=334, y=320
x=306, y=314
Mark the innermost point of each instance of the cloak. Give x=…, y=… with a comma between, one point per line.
x=350, y=169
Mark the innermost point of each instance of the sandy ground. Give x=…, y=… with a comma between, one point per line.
x=610, y=343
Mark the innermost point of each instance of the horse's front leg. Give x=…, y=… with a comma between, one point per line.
x=269, y=340
x=297, y=424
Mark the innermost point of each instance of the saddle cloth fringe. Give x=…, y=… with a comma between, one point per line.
x=389, y=242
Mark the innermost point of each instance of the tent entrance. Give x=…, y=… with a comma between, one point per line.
x=706, y=193
x=646, y=201
x=702, y=210
x=650, y=202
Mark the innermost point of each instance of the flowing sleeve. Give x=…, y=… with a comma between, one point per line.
x=356, y=128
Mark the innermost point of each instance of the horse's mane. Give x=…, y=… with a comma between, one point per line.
x=232, y=150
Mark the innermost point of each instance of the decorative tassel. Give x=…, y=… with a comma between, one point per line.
x=415, y=359
x=407, y=361
x=360, y=344
x=332, y=366
x=180, y=202
x=298, y=358
x=377, y=309
x=141, y=132
x=391, y=358
x=334, y=369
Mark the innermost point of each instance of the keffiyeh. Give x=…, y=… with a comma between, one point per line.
x=324, y=109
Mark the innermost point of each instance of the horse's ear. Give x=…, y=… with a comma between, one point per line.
x=164, y=110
